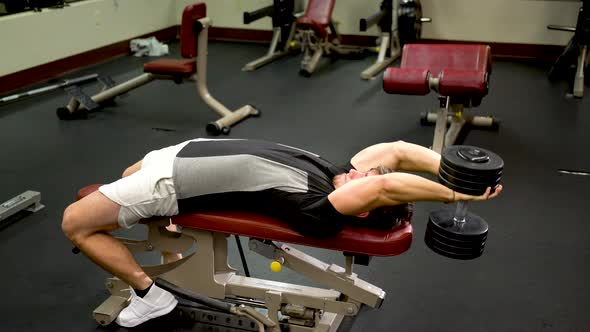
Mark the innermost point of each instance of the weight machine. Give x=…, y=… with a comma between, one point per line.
x=283, y=23
x=399, y=23
x=576, y=52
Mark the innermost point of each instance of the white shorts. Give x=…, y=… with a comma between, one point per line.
x=146, y=193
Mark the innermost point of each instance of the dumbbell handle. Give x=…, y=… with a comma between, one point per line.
x=460, y=212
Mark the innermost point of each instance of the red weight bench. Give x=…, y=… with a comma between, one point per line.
x=315, y=38
x=459, y=73
x=193, y=42
x=207, y=272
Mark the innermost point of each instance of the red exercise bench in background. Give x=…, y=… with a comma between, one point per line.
x=193, y=42
x=314, y=37
x=459, y=73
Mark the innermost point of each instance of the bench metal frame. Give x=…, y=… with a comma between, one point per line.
x=291, y=307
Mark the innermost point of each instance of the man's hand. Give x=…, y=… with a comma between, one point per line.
x=487, y=195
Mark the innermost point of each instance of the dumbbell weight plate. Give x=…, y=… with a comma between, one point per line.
x=474, y=228
x=457, y=247
x=444, y=251
x=456, y=240
x=475, y=190
x=472, y=160
x=464, y=186
x=453, y=242
x=469, y=177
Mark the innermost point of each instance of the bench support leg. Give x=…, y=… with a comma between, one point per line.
x=228, y=118
x=273, y=52
x=387, y=44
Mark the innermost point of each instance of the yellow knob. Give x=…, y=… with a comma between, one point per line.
x=276, y=266
x=378, y=49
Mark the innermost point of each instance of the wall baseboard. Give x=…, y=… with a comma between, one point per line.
x=24, y=78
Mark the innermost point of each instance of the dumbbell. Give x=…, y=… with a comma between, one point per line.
x=469, y=170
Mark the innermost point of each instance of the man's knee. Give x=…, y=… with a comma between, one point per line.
x=71, y=222
x=128, y=171
x=132, y=169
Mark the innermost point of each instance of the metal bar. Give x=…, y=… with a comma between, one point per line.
x=120, y=89
x=460, y=212
x=331, y=275
x=255, y=15
x=457, y=123
x=201, y=76
x=311, y=65
x=578, y=90
x=29, y=200
x=371, y=20
x=242, y=256
x=382, y=62
x=440, y=128
x=561, y=27
x=63, y=83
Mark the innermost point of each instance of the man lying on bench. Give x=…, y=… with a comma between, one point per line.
x=313, y=195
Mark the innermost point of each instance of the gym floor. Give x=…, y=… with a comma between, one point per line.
x=532, y=276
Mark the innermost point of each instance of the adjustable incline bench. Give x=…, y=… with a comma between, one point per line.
x=459, y=73
x=314, y=37
x=193, y=42
x=288, y=307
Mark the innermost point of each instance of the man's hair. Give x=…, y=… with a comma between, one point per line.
x=387, y=217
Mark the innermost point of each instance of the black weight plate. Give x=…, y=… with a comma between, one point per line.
x=473, y=228
x=440, y=243
x=468, y=191
x=480, y=161
x=475, y=185
x=470, y=242
x=409, y=22
x=463, y=256
x=470, y=177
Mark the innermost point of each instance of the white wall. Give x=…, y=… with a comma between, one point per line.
x=32, y=39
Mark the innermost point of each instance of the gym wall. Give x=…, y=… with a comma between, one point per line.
x=32, y=39
x=505, y=21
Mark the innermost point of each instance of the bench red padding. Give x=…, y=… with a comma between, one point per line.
x=413, y=81
x=188, y=36
x=317, y=16
x=438, y=57
x=462, y=69
x=463, y=83
x=352, y=239
x=171, y=67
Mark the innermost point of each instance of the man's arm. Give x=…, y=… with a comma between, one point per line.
x=399, y=156
x=369, y=193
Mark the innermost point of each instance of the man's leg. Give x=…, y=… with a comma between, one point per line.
x=167, y=257
x=86, y=223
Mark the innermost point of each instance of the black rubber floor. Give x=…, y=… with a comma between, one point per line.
x=532, y=276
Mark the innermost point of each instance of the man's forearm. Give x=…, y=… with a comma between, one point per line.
x=404, y=187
